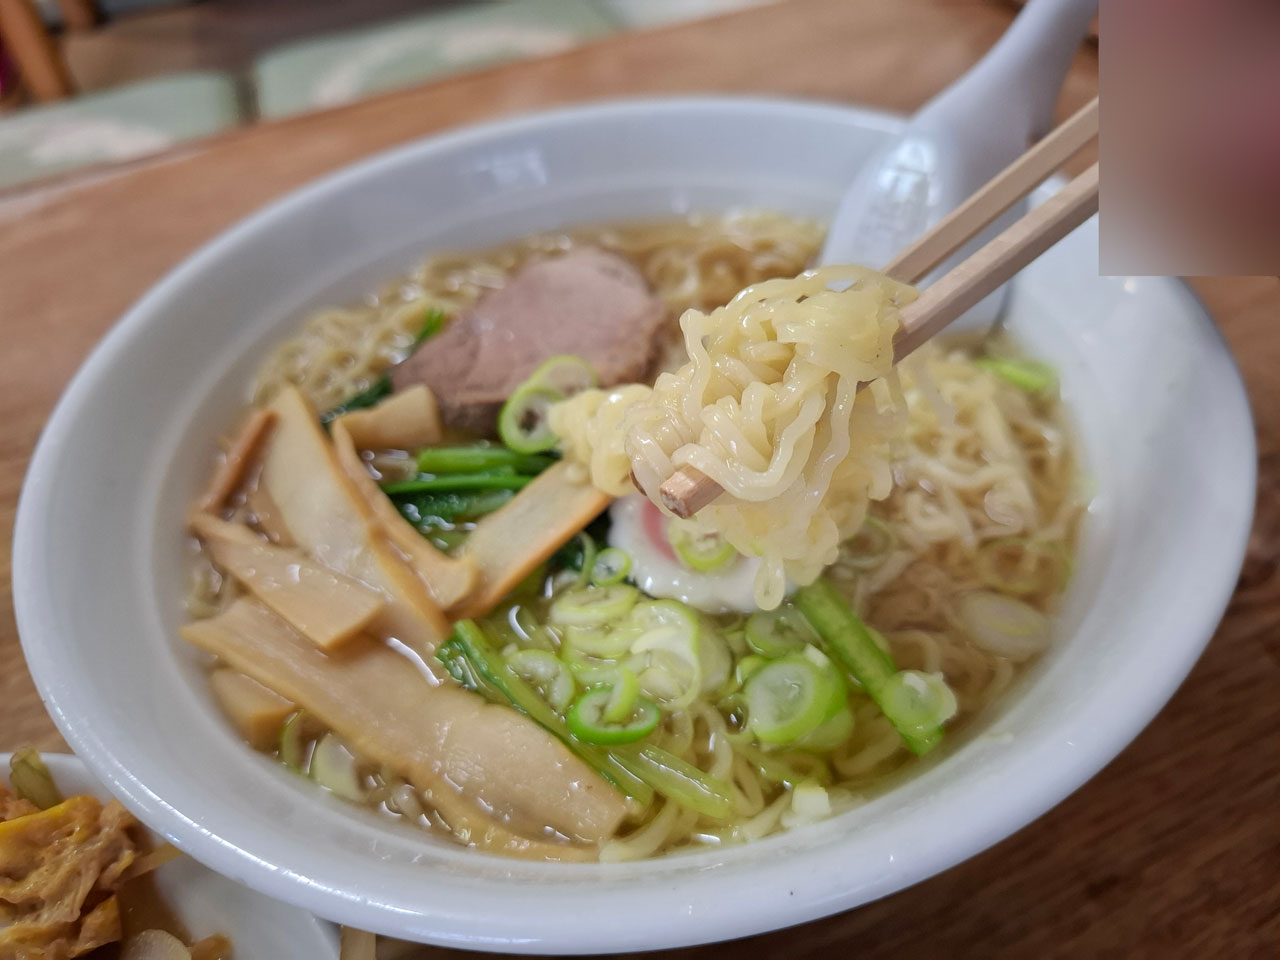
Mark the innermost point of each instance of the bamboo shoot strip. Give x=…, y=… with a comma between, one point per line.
x=326, y=607
x=404, y=421
x=259, y=713
x=266, y=516
x=466, y=756
x=449, y=579
x=508, y=544
x=235, y=461
x=326, y=515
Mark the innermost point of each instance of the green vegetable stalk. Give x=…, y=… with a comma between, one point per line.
x=637, y=769
x=496, y=479
x=1027, y=375
x=850, y=643
x=478, y=458
x=432, y=508
x=501, y=684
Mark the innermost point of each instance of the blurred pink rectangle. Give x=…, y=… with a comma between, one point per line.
x=1190, y=137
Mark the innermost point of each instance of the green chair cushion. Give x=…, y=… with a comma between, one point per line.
x=117, y=124
x=652, y=13
x=336, y=69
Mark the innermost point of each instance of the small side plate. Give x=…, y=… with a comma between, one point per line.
x=259, y=928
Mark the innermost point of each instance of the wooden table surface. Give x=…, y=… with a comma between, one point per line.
x=1172, y=851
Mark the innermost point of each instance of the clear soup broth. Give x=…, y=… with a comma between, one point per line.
x=956, y=574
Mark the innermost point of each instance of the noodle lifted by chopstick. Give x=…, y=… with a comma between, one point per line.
x=767, y=405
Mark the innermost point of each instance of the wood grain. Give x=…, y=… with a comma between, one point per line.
x=1172, y=852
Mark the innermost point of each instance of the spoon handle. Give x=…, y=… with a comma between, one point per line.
x=959, y=139
x=1016, y=84
x=999, y=194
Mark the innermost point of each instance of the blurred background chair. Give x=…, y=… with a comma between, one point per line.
x=123, y=123
x=91, y=81
x=59, y=119
x=338, y=68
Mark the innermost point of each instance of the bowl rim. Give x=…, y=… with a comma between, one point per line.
x=1009, y=810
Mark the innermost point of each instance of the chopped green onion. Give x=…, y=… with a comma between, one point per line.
x=31, y=779
x=1002, y=625
x=593, y=606
x=565, y=375
x=488, y=480
x=547, y=673
x=921, y=701
x=611, y=566
x=772, y=767
x=832, y=732
x=703, y=552
x=469, y=640
x=854, y=647
x=1029, y=375
x=604, y=642
x=787, y=766
x=594, y=673
x=747, y=666
x=523, y=424
x=790, y=698
x=333, y=766
x=668, y=616
x=810, y=801
x=624, y=692
x=776, y=633
x=297, y=739
x=587, y=721
x=588, y=557
x=479, y=457
x=678, y=780
x=716, y=661
x=735, y=637
x=497, y=676
x=534, y=633
x=667, y=654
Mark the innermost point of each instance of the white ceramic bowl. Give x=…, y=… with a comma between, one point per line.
x=98, y=557
x=261, y=928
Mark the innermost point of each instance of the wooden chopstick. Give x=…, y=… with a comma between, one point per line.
x=687, y=491
x=996, y=263
x=999, y=194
